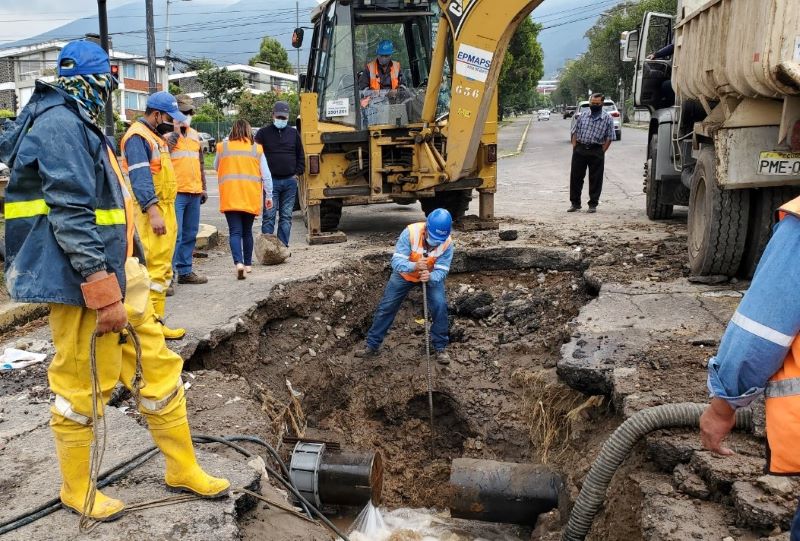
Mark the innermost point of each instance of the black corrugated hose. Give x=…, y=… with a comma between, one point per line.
x=618, y=447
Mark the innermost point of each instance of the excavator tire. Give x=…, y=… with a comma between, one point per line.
x=456, y=202
x=717, y=221
x=330, y=211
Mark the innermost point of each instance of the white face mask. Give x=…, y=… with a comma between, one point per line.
x=188, y=120
x=432, y=243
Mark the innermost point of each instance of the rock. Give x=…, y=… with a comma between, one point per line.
x=606, y=259
x=270, y=251
x=207, y=237
x=338, y=296
x=758, y=510
x=777, y=486
x=509, y=234
x=690, y=483
x=705, y=341
x=720, y=473
x=710, y=280
x=469, y=303
x=523, y=311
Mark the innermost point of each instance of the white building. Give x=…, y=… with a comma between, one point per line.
x=20, y=67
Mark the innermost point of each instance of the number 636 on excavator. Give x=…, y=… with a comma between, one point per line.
x=431, y=136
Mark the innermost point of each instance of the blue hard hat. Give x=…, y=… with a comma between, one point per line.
x=82, y=57
x=166, y=103
x=386, y=48
x=439, y=225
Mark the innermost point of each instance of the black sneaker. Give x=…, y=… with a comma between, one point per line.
x=442, y=357
x=192, y=278
x=592, y=210
x=366, y=353
x=573, y=208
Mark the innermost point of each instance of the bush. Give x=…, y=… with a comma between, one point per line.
x=5, y=113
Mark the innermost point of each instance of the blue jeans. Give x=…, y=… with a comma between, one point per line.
x=795, y=532
x=187, y=213
x=284, y=193
x=240, y=236
x=396, y=290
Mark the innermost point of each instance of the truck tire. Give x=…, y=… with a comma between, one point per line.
x=764, y=203
x=330, y=213
x=456, y=202
x=655, y=209
x=717, y=221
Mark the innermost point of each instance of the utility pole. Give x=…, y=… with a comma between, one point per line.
x=167, y=50
x=297, y=17
x=102, y=17
x=151, y=46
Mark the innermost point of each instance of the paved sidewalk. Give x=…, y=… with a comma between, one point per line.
x=511, y=135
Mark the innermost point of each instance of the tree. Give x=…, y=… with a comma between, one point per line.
x=174, y=89
x=222, y=87
x=208, y=112
x=522, y=69
x=200, y=64
x=257, y=108
x=272, y=52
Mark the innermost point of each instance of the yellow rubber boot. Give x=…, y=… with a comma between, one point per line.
x=73, y=443
x=159, y=303
x=184, y=474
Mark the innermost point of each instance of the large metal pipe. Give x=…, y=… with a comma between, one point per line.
x=502, y=491
x=327, y=478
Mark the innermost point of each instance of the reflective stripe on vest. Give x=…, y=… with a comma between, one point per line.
x=783, y=399
x=416, y=237
x=185, y=158
x=374, y=75
x=161, y=169
x=38, y=207
x=239, y=177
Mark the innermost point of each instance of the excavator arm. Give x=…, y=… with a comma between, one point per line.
x=477, y=34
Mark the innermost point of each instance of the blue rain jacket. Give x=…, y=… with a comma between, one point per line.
x=63, y=202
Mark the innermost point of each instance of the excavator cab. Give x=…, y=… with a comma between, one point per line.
x=424, y=131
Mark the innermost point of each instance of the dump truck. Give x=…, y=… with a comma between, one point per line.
x=724, y=134
x=433, y=138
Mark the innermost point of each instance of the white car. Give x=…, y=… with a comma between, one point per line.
x=609, y=107
x=542, y=114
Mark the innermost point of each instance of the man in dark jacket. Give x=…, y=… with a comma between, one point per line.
x=69, y=243
x=287, y=162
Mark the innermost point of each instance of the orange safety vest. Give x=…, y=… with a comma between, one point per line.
x=374, y=75
x=783, y=399
x=416, y=237
x=185, y=158
x=130, y=225
x=239, y=177
x=161, y=169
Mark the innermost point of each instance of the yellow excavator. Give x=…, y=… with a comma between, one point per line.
x=429, y=134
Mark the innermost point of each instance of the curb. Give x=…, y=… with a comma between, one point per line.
x=521, y=144
x=14, y=314
x=207, y=237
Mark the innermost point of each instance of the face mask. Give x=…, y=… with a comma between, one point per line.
x=188, y=120
x=596, y=109
x=432, y=243
x=280, y=123
x=163, y=128
x=90, y=91
x=384, y=60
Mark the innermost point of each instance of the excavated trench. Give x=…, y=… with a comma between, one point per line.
x=499, y=399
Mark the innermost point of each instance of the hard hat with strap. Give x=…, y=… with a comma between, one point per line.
x=186, y=162
x=416, y=237
x=239, y=177
x=783, y=398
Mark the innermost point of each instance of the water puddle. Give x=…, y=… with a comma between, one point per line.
x=374, y=524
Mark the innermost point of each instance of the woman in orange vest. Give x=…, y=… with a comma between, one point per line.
x=243, y=177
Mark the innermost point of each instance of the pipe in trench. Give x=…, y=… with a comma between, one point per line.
x=617, y=448
x=492, y=491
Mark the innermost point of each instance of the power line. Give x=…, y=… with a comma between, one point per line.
x=593, y=5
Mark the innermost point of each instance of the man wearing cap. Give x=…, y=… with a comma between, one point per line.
x=70, y=242
x=146, y=160
x=423, y=254
x=383, y=73
x=287, y=162
x=188, y=162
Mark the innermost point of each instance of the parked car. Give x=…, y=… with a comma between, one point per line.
x=569, y=111
x=542, y=114
x=207, y=143
x=609, y=107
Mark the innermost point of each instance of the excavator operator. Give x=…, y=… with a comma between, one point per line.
x=383, y=73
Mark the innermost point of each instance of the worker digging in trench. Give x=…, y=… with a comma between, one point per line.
x=423, y=255
x=70, y=239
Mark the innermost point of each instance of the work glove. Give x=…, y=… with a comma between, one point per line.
x=101, y=292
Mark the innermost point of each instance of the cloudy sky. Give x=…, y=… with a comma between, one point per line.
x=23, y=19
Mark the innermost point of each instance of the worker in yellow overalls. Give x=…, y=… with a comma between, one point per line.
x=146, y=161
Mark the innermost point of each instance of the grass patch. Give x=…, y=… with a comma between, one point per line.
x=209, y=160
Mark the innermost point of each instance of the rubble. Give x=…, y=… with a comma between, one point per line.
x=270, y=251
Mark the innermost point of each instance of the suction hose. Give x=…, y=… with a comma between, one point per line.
x=617, y=448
